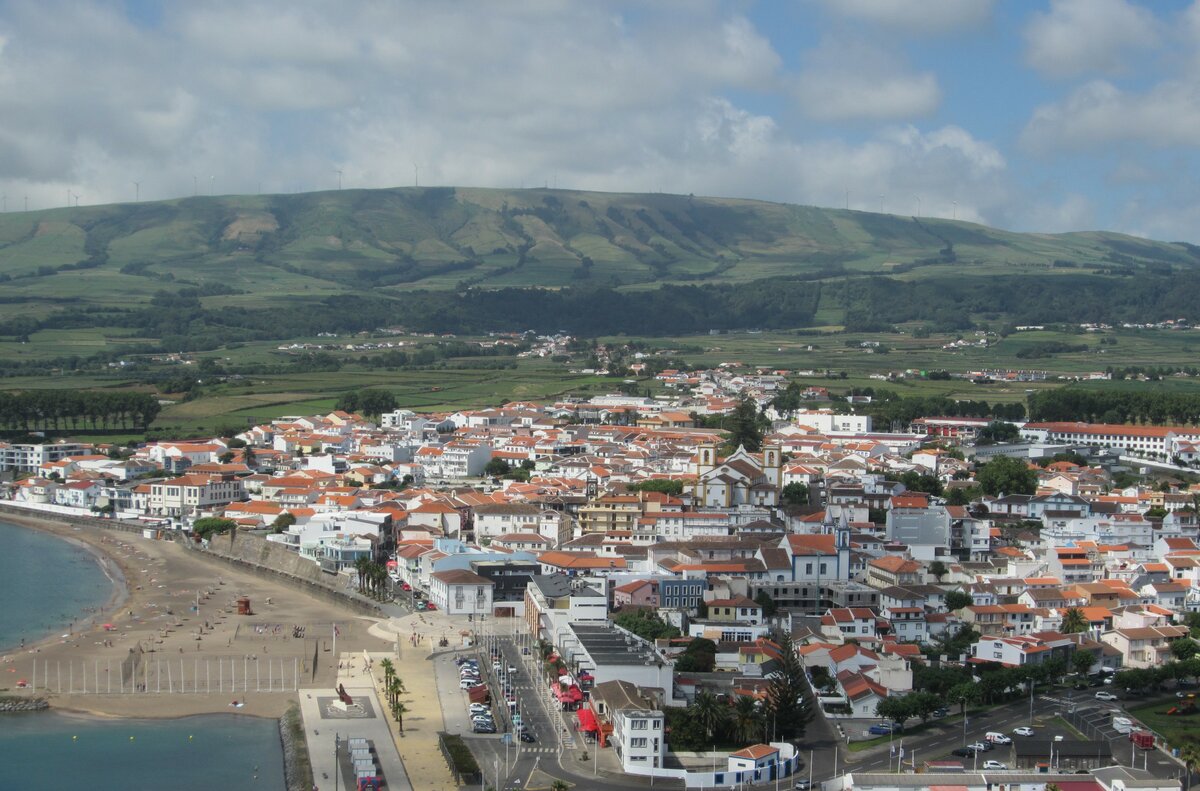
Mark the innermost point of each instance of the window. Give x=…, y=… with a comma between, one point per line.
x=639, y=742
x=808, y=568
x=637, y=725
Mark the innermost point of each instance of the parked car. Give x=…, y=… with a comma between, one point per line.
x=996, y=737
x=994, y=765
x=1024, y=730
x=939, y=713
x=802, y=785
x=483, y=728
x=468, y=683
x=430, y=605
x=980, y=747
x=479, y=708
x=882, y=729
x=1102, y=695
x=962, y=752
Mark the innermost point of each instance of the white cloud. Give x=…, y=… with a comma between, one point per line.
x=857, y=80
x=923, y=17
x=1088, y=36
x=1099, y=114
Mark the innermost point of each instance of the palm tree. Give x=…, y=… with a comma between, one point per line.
x=398, y=711
x=360, y=566
x=559, y=785
x=709, y=712
x=1190, y=755
x=389, y=670
x=395, y=690
x=1074, y=621
x=746, y=720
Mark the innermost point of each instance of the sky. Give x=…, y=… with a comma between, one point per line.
x=1050, y=115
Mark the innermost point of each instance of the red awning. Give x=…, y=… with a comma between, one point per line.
x=587, y=720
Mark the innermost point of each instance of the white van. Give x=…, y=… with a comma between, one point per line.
x=996, y=737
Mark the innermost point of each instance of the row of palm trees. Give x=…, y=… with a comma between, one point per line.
x=372, y=577
x=393, y=687
x=743, y=720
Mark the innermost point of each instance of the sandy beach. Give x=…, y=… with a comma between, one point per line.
x=170, y=642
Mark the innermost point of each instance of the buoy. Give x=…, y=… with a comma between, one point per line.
x=189, y=738
x=74, y=738
x=130, y=738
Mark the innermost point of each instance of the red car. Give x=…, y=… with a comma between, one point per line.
x=430, y=606
x=404, y=586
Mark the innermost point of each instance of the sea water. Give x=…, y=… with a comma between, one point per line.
x=219, y=751
x=45, y=585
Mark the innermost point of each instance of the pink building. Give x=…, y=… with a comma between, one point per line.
x=640, y=593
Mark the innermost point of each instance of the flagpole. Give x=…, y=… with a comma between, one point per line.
x=335, y=655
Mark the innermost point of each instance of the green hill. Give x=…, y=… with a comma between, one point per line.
x=253, y=253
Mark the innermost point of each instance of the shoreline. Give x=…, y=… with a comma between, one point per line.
x=179, y=636
x=108, y=563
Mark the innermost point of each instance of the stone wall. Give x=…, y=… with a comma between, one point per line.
x=268, y=559
x=9, y=705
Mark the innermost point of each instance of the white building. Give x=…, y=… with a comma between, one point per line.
x=639, y=737
x=461, y=592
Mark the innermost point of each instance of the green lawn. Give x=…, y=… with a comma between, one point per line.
x=1176, y=729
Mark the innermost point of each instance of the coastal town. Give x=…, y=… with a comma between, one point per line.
x=604, y=592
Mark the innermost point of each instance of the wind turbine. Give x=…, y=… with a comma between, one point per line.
x=416, y=175
x=211, y=179
x=137, y=191
x=195, y=185
x=4, y=200
x=918, y=197
x=339, y=178
x=26, y=203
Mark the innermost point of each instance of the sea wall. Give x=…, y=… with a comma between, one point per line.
x=11, y=705
x=268, y=559
x=45, y=514
x=297, y=766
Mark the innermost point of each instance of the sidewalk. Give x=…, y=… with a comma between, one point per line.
x=418, y=745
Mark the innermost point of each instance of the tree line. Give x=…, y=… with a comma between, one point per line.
x=1113, y=406
x=53, y=410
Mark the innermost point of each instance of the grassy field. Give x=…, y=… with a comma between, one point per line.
x=1177, y=730
x=462, y=383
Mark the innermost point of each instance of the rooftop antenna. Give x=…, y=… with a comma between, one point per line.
x=339, y=178
x=137, y=191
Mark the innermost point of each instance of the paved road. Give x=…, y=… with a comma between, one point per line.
x=1089, y=716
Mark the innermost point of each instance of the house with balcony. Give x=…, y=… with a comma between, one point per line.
x=1144, y=647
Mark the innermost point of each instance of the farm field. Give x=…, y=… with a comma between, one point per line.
x=479, y=382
